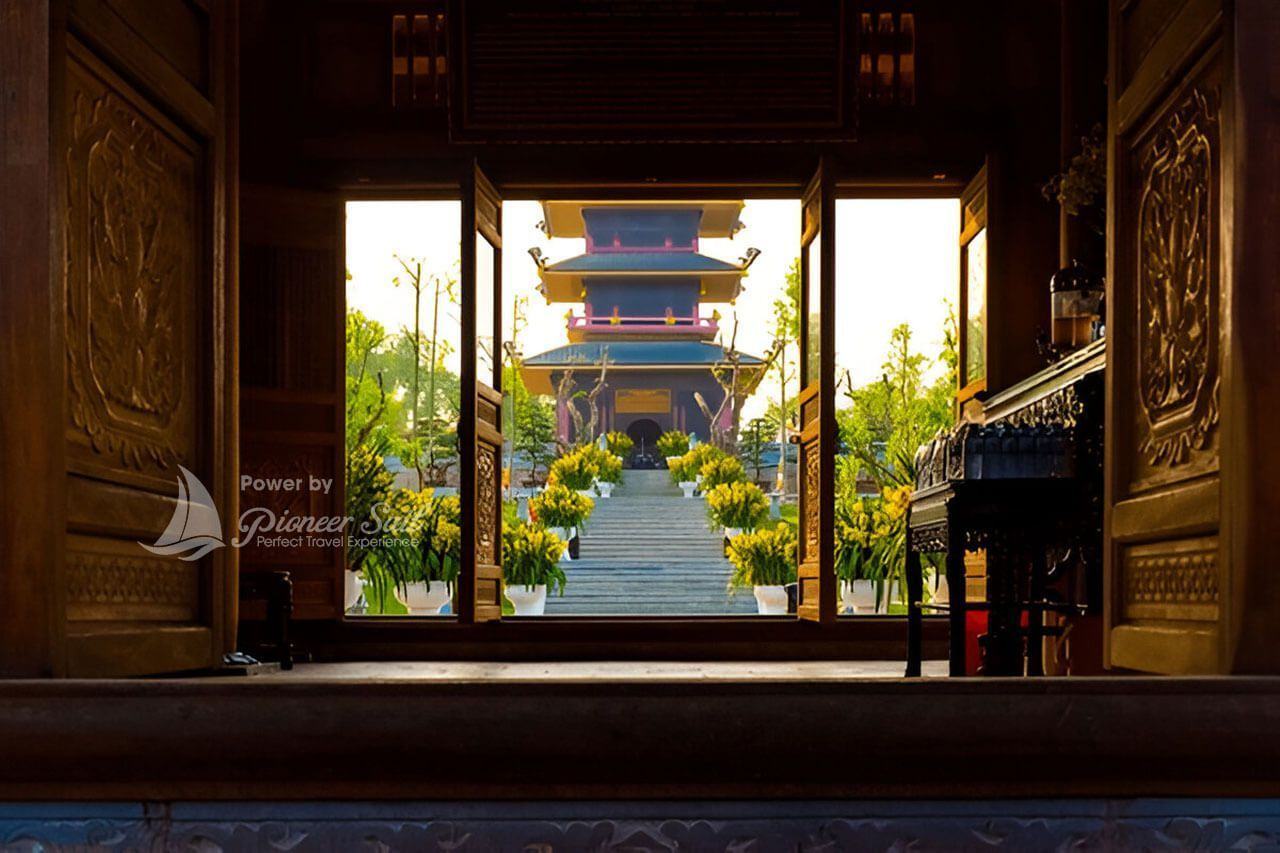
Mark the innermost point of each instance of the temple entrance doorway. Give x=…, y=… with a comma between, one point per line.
x=644, y=434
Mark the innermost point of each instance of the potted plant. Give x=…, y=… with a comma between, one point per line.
x=560, y=510
x=575, y=470
x=685, y=471
x=856, y=565
x=608, y=469
x=368, y=485
x=530, y=566
x=673, y=444
x=765, y=561
x=737, y=507
x=618, y=443
x=721, y=470
x=421, y=550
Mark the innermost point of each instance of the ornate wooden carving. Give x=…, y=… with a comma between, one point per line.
x=812, y=511
x=131, y=272
x=1177, y=306
x=115, y=579
x=1177, y=580
x=487, y=504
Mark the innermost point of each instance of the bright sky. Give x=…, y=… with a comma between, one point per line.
x=896, y=261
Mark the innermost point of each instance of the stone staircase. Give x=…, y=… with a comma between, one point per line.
x=648, y=551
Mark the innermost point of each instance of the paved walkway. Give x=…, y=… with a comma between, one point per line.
x=648, y=551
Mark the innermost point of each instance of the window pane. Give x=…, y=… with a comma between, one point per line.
x=484, y=311
x=813, y=342
x=976, y=312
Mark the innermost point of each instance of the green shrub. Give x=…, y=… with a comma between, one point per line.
x=368, y=486
x=618, y=443
x=740, y=505
x=559, y=506
x=717, y=472
x=673, y=443
x=763, y=558
x=575, y=470
x=531, y=556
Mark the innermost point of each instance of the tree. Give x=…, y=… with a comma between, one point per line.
x=753, y=446
x=737, y=384
x=786, y=334
x=585, y=427
x=371, y=412
x=536, y=434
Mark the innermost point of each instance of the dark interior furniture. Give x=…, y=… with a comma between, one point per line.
x=1025, y=485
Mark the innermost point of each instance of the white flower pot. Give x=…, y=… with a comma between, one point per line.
x=859, y=596
x=352, y=587
x=527, y=600
x=942, y=595
x=565, y=534
x=424, y=599
x=688, y=488
x=888, y=595
x=771, y=600
x=730, y=532
x=605, y=489
x=587, y=493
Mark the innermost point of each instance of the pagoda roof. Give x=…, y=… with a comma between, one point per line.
x=563, y=218
x=720, y=281
x=626, y=355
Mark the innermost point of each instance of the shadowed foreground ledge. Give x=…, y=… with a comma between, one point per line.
x=662, y=737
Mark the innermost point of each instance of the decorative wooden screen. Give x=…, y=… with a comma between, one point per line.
x=480, y=431
x=886, y=53
x=576, y=70
x=817, y=579
x=1167, y=609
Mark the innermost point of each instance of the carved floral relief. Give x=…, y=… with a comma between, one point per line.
x=130, y=278
x=487, y=506
x=1177, y=302
x=810, y=502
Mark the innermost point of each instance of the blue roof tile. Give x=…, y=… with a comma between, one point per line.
x=635, y=353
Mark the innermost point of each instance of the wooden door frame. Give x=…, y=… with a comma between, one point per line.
x=628, y=637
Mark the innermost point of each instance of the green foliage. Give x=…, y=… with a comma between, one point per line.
x=673, y=443
x=740, y=505
x=531, y=557
x=764, y=558
x=575, y=470
x=368, y=486
x=559, y=506
x=715, y=472
x=618, y=443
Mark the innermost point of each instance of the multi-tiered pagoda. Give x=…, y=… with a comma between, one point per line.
x=641, y=285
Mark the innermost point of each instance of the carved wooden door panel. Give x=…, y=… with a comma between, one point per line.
x=142, y=151
x=816, y=459
x=480, y=431
x=1167, y=359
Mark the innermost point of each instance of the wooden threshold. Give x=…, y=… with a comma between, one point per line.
x=629, y=739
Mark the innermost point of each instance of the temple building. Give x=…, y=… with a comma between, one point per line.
x=642, y=285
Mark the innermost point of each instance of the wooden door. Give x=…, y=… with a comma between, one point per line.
x=1167, y=525
x=817, y=439
x=480, y=431
x=122, y=367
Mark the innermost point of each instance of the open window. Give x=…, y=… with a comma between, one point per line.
x=973, y=288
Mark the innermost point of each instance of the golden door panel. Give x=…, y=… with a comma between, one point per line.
x=132, y=261
x=1173, y=259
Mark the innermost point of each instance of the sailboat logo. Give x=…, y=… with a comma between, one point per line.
x=195, y=528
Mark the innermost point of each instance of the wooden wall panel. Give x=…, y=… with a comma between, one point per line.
x=292, y=421
x=1172, y=515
